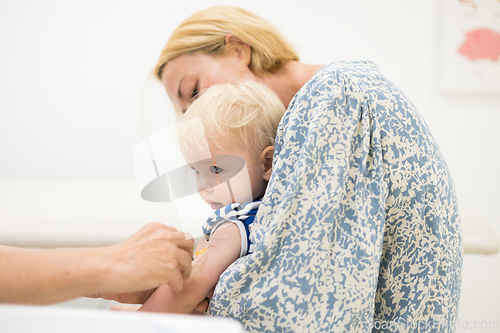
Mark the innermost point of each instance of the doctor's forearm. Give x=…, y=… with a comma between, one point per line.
x=153, y=256
x=51, y=276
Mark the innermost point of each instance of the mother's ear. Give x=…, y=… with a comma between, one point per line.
x=242, y=49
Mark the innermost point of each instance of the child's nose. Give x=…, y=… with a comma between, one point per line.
x=205, y=184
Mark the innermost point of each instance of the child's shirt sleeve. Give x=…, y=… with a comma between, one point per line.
x=242, y=215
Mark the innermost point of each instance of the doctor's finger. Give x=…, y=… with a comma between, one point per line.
x=183, y=240
x=184, y=261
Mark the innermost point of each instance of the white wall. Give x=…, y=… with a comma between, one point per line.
x=71, y=80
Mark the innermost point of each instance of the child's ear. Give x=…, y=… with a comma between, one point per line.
x=267, y=160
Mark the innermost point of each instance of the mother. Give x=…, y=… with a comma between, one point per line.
x=359, y=225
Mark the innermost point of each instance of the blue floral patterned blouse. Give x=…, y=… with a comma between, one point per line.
x=359, y=229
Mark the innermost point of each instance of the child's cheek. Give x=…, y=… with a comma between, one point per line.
x=241, y=187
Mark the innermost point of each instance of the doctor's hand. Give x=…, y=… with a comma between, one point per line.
x=155, y=255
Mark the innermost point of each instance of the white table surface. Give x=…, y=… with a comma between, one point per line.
x=35, y=319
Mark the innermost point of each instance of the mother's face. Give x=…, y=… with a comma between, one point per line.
x=186, y=76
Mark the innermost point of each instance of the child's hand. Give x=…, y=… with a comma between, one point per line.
x=139, y=297
x=203, y=306
x=125, y=307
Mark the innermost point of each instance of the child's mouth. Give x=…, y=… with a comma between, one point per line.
x=216, y=205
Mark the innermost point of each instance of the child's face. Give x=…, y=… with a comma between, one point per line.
x=228, y=176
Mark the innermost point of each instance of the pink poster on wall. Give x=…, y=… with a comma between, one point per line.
x=470, y=46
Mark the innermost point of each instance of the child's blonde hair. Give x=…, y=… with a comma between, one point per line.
x=245, y=112
x=205, y=33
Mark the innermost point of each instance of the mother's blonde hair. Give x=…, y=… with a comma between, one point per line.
x=205, y=32
x=243, y=113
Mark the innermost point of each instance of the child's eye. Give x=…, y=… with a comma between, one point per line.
x=216, y=170
x=195, y=92
x=195, y=170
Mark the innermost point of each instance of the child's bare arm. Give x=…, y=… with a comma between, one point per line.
x=223, y=249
